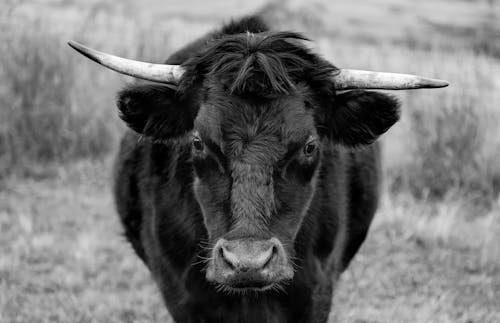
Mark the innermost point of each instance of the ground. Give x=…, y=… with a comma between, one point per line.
x=64, y=259
x=62, y=254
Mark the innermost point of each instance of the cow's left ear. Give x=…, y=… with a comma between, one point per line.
x=157, y=111
x=358, y=117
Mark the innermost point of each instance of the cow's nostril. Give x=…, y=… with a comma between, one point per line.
x=225, y=255
x=263, y=259
x=273, y=253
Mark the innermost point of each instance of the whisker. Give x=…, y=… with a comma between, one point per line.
x=205, y=258
x=203, y=261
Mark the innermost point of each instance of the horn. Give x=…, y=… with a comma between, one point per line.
x=161, y=73
x=348, y=79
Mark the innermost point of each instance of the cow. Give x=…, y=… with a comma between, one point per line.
x=250, y=174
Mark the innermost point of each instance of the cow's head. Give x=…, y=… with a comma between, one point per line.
x=258, y=110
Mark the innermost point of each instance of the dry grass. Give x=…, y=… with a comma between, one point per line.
x=424, y=263
x=64, y=260
x=432, y=255
x=56, y=107
x=63, y=257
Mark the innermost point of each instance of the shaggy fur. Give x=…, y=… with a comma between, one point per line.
x=273, y=159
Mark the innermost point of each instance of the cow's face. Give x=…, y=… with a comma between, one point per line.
x=255, y=160
x=255, y=165
x=255, y=168
x=258, y=110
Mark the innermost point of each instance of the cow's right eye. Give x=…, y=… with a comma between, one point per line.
x=197, y=144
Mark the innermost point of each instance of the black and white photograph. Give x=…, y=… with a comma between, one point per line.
x=265, y=161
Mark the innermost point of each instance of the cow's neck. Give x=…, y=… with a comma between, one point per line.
x=248, y=309
x=291, y=305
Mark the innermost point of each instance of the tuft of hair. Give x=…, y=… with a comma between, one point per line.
x=253, y=24
x=263, y=64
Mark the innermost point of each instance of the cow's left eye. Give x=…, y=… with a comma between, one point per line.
x=197, y=144
x=310, y=148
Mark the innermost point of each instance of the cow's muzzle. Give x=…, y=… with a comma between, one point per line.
x=249, y=264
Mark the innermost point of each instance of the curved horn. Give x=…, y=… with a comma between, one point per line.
x=348, y=79
x=152, y=72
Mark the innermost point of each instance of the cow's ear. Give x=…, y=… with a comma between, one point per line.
x=156, y=111
x=360, y=117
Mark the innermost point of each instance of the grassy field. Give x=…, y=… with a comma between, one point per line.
x=64, y=260
x=433, y=254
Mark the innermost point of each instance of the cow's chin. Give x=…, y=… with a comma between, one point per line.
x=243, y=283
x=250, y=287
x=230, y=289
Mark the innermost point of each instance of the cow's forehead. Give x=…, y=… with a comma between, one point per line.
x=264, y=128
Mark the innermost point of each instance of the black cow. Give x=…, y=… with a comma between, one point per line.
x=239, y=187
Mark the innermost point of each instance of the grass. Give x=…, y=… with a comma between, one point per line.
x=64, y=259
x=432, y=254
x=424, y=266
x=56, y=265
x=42, y=117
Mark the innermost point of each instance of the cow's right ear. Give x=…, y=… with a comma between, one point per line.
x=156, y=111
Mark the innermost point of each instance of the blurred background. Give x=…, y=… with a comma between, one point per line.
x=433, y=254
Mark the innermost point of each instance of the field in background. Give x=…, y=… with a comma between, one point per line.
x=432, y=255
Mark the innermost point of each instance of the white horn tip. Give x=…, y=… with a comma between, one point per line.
x=443, y=83
x=435, y=83
x=85, y=51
